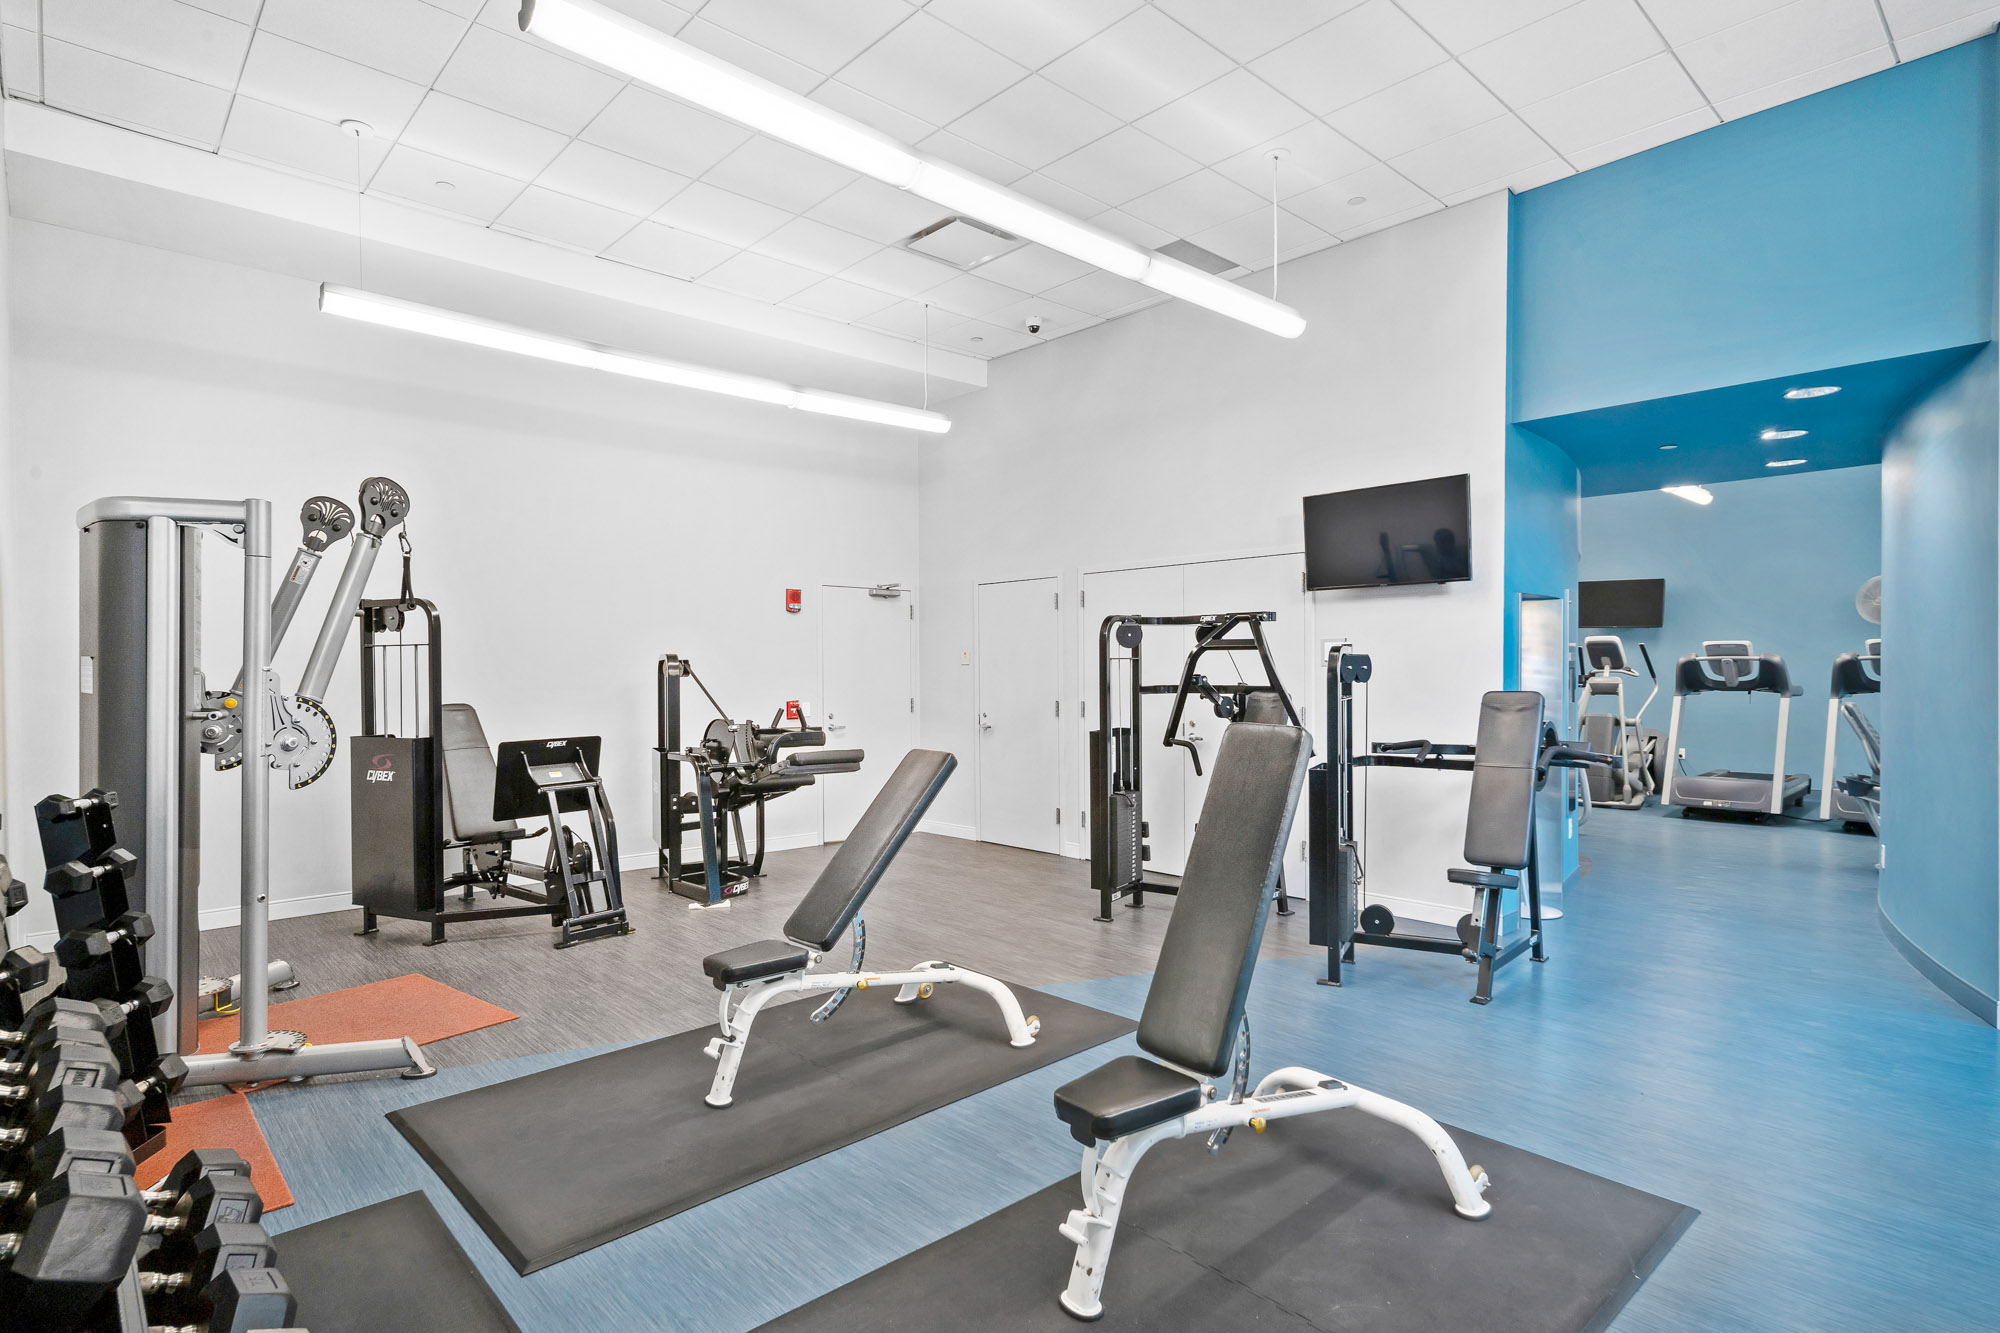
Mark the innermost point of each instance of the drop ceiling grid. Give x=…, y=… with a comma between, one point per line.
x=1151, y=117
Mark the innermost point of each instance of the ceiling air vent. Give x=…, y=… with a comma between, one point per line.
x=962, y=242
x=1195, y=257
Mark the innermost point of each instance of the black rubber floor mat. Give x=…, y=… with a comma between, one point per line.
x=565, y=1160
x=390, y=1265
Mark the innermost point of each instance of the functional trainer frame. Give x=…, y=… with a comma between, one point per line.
x=1118, y=828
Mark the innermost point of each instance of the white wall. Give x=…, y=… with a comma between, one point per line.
x=1175, y=434
x=570, y=527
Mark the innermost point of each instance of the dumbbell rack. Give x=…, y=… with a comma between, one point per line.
x=81, y=1246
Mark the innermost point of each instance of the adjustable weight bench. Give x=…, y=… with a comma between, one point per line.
x=750, y=976
x=1194, y=1019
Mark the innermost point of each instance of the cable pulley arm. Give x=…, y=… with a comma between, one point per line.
x=383, y=506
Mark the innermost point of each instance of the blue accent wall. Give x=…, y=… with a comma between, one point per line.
x=1940, y=591
x=1543, y=527
x=1852, y=225
x=1776, y=560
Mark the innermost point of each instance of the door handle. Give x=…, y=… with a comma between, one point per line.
x=984, y=725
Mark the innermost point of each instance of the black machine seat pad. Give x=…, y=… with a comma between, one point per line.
x=837, y=895
x=749, y=962
x=1123, y=1097
x=1483, y=879
x=469, y=777
x=1500, y=812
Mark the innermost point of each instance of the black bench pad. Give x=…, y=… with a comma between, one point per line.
x=1123, y=1097
x=1483, y=879
x=748, y=962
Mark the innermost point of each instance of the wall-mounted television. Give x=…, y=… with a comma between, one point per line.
x=1621, y=603
x=1385, y=536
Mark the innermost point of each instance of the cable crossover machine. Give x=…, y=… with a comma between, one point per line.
x=1118, y=827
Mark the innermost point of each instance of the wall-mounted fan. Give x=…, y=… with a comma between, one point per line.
x=1868, y=601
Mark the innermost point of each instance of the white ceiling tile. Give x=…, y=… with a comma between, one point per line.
x=876, y=211
x=1360, y=53
x=26, y=14
x=290, y=139
x=779, y=174
x=745, y=54
x=504, y=16
x=1122, y=165
x=1616, y=105
x=569, y=221
x=1033, y=269
x=1909, y=17
x=1380, y=189
x=640, y=123
x=526, y=81
x=611, y=179
x=720, y=215
x=837, y=298
x=409, y=173
x=1055, y=318
x=973, y=297
x=1033, y=32
x=1247, y=240
x=1034, y=123
x=1464, y=24
x=759, y=276
x=1567, y=49
x=1683, y=21
x=1802, y=37
x=407, y=38
x=465, y=9
x=1639, y=141
x=243, y=11
x=1471, y=157
x=978, y=160
x=1057, y=195
x=1314, y=155
x=1246, y=31
x=1520, y=180
x=668, y=250
x=107, y=88
x=978, y=338
x=1138, y=64
x=326, y=87
x=1311, y=248
x=910, y=319
x=811, y=32
x=816, y=246
x=1100, y=293
x=1237, y=111
x=899, y=125
x=161, y=34
x=1918, y=44
x=1433, y=105
x=1392, y=220
x=1804, y=85
x=465, y=132
x=930, y=69
x=1194, y=203
x=899, y=272
x=20, y=61
x=1145, y=235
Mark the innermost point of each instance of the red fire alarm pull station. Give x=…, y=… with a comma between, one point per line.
x=791, y=710
x=792, y=600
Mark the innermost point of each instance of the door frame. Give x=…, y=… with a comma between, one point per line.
x=979, y=733
x=916, y=662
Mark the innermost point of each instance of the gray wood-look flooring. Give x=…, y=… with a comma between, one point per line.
x=1023, y=916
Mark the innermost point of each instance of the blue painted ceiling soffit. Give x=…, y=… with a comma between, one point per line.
x=1716, y=434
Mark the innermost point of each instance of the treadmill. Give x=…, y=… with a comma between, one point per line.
x=1733, y=666
x=1854, y=800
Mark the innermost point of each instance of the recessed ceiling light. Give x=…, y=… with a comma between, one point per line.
x=1817, y=391
x=1357, y=201
x=978, y=338
x=1775, y=434
x=1698, y=495
x=357, y=128
x=445, y=185
x=1786, y=462
x=1665, y=447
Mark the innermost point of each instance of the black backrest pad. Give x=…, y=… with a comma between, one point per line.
x=829, y=906
x=468, y=776
x=1501, y=813
x=1196, y=999
x=1263, y=706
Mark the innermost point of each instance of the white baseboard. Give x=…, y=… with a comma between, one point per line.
x=1419, y=908
x=650, y=858
x=1075, y=851
x=940, y=827
x=218, y=918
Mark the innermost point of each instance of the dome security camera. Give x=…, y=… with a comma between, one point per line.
x=1035, y=323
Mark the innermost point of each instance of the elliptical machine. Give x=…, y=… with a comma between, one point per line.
x=1603, y=666
x=1856, y=800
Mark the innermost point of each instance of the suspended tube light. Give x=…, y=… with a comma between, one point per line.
x=640, y=52
x=389, y=312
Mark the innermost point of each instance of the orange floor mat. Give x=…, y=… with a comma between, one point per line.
x=219, y=1122
x=406, y=1006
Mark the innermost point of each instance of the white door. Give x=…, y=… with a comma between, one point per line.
x=1163, y=771
x=868, y=695
x=1543, y=667
x=1264, y=583
x=1020, y=674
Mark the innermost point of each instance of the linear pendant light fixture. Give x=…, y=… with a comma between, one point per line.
x=369, y=308
x=644, y=53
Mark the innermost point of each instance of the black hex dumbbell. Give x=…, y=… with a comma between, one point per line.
x=77, y=1244
x=149, y=1094
x=135, y=1042
x=196, y=1164
x=105, y=963
x=76, y=828
x=21, y=970
x=64, y=1105
x=209, y=1200
x=241, y=1300
x=217, y=1249
x=87, y=894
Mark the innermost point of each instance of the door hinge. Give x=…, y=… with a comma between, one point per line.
x=913, y=610
x=1058, y=603
x=1058, y=814
x=1058, y=708
x=1083, y=819
x=1082, y=599
x=1302, y=582
x=913, y=703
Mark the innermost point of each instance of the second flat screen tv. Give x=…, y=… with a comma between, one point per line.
x=1382, y=536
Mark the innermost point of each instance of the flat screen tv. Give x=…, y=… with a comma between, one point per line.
x=1621, y=603
x=1384, y=536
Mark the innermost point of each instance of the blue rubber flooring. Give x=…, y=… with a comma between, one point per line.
x=1721, y=1022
